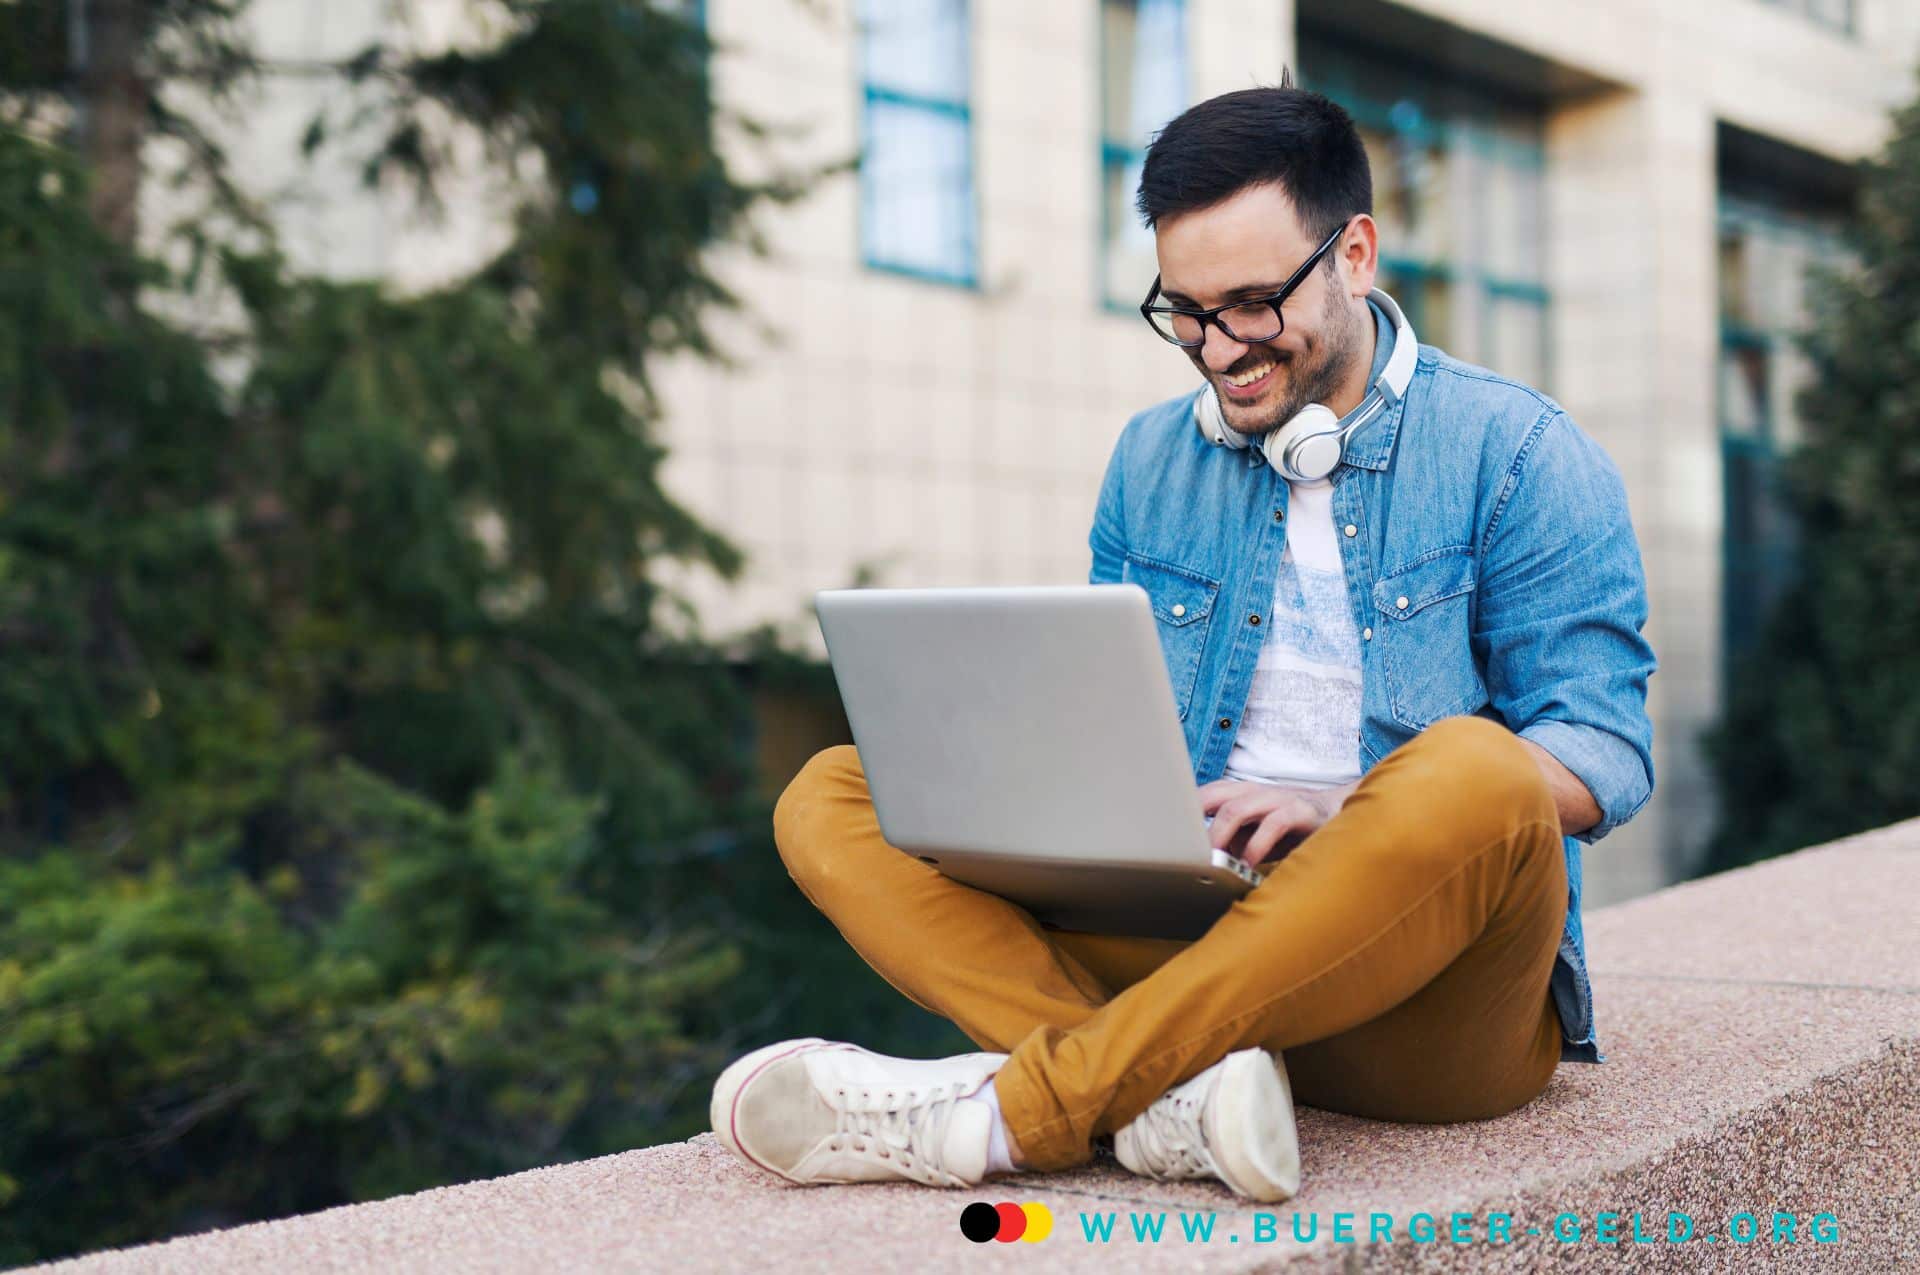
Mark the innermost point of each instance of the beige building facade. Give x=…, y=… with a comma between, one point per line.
x=1612, y=199
x=1562, y=188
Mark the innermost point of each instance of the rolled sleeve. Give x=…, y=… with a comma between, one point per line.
x=1562, y=601
x=1612, y=769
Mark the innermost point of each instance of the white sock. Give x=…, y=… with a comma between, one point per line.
x=999, y=1158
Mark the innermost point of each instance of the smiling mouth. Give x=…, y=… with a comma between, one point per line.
x=1247, y=384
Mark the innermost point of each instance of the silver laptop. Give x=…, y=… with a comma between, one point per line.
x=1025, y=741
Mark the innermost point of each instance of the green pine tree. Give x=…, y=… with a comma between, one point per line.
x=1821, y=732
x=361, y=790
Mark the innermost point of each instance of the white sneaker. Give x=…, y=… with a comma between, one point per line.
x=818, y=1111
x=1233, y=1121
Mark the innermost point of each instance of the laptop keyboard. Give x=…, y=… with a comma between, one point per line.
x=1240, y=867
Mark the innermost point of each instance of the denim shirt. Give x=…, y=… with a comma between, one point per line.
x=1491, y=567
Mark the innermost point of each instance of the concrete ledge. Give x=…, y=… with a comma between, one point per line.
x=1762, y=1030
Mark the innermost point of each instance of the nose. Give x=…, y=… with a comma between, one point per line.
x=1220, y=350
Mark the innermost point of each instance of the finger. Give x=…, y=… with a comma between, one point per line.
x=1237, y=812
x=1225, y=821
x=1288, y=844
x=1211, y=795
x=1272, y=830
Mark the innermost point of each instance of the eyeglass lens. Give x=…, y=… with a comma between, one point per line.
x=1255, y=321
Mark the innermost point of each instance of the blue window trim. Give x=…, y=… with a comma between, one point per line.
x=959, y=109
x=1419, y=267
x=938, y=105
x=1116, y=154
x=1112, y=156
x=1515, y=290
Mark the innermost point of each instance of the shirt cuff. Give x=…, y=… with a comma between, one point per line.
x=1608, y=765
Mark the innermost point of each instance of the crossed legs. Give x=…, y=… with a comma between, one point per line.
x=1398, y=958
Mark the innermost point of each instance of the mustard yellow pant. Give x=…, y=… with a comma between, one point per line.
x=1397, y=958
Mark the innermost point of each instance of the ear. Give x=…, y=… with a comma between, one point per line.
x=1359, y=253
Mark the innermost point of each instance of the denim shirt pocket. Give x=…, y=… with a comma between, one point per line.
x=1426, y=651
x=1182, y=610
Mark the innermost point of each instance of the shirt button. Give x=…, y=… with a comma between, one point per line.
x=1279, y=515
x=1352, y=530
x=1178, y=610
x=1401, y=603
x=1367, y=633
x=1225, y=722
x=1253, y=620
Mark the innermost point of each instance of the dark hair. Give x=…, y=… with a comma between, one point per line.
x=1292, y=137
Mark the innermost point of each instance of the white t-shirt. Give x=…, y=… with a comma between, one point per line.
x=1301, y=723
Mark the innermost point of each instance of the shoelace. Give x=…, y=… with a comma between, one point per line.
x=1169, y=1140
x=912, y=1126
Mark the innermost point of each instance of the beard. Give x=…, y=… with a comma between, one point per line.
x=1313, y=381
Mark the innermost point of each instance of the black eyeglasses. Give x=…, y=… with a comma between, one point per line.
x=1248, y=322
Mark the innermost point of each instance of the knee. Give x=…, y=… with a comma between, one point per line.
x=1491, y=767
x=828, y=774
x=1473, y=782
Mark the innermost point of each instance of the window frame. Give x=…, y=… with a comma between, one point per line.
x=1435, y=123
x=1119, y=155
x=1761, y=449
x=960, y=109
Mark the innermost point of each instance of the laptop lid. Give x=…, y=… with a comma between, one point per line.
x=1019, y=721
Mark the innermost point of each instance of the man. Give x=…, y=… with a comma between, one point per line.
x=1411, y=689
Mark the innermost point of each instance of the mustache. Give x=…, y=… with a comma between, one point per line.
x=1241, y=366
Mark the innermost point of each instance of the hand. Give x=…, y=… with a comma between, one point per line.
x=1253, y=820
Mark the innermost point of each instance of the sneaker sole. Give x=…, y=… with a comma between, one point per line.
x=723, y=1112
x=1253, y=1140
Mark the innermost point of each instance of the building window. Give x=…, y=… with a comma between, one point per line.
x=1458, y=192
x=917, y=211
x=1764, y=256
x=1143, y=84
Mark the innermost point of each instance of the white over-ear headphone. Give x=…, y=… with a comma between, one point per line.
x=1309, y=447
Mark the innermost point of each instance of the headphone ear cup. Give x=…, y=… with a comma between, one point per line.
x=1306, y=448
x=1313, y=458
x=1212, y=423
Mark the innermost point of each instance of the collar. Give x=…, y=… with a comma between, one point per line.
x=1371, y=446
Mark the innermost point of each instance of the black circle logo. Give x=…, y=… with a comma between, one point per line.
x=980, y=1222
